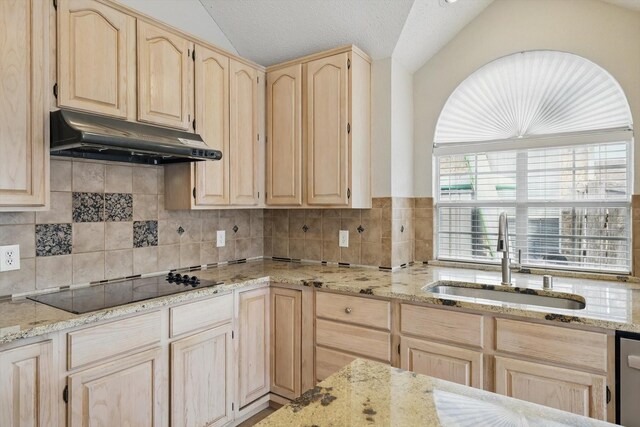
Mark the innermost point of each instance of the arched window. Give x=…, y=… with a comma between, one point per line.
x=545, y=136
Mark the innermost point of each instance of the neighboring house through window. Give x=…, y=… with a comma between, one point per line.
x=545, y=136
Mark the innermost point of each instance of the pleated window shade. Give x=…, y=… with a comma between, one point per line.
x=545, y=136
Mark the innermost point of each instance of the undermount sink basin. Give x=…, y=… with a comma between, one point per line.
x=511, y=295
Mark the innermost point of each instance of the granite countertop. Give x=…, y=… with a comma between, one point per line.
x=613, y=305
x=366, y=393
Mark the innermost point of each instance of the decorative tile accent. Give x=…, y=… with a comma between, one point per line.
x=88, y=207
x=145, y=233
x=118, y=207
x=53, y=239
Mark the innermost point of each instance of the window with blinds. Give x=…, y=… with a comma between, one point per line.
x=545, y=136
x=568, y=207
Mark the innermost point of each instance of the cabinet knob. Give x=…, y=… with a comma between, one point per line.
x=347, y=310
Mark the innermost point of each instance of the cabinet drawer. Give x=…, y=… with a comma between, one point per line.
x=328, y=362
x=200, y=314
x=446, y=325
x=105, y=341
x=356, y=310
x=571, y=347
x=354, y=339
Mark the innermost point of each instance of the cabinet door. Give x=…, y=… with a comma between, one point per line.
x=327, y=138
x=96, y=58
x=243, y=134
x=284, y=141
x=127, y=392
x=446, y=362
x=253, y=360
x=201, y=379
x=27, y=386
x=286, y=324
x=328, y=362
x=212, y=123
x=565, y=389
x=165, y=82
x=24, y=101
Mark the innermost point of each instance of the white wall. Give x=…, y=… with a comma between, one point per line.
x=381, y=127
x=391, y=129
x=605, y=34
x=189, y=16
x=401, y=131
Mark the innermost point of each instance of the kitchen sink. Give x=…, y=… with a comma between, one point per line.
x=509, y=294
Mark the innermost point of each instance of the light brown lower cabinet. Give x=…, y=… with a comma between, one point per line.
x=202, y=379
x=286, y=336
x=253, y=345
x=330, y=361
x=125, y=392
x=455, y=364
x=565, y=389
x=27, y=386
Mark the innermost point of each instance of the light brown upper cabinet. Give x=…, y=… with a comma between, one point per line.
x=165, y=77
x=96, y=58
x=327, y=122
x=284, y=136
x=243, y=134
x=212, y=123
x=335, y=140
x=24, y=102
x=226, y=105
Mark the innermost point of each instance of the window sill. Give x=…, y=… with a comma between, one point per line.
x=619, y=277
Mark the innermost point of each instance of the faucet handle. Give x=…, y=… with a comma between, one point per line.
x=503, y=233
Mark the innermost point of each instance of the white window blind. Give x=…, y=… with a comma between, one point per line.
x=545, y=136
x=568, y=207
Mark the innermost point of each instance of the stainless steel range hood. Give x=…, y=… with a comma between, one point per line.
x=76, y=134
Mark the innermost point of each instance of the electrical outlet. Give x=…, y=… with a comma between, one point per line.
x=9, y=257
x=220, y=238
x=343, y=238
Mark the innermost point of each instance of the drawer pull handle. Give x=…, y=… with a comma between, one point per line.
x=347, y=310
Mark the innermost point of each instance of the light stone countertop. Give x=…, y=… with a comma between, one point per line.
x=609, y=304
x=366, y=393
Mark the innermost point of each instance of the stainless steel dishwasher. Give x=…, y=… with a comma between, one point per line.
x=628, y=379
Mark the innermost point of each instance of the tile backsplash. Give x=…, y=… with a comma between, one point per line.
x=107, y=221
x=383, y=236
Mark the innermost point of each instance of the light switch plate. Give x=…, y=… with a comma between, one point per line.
x=220, y=238
x=343, y=238
x=9, y=257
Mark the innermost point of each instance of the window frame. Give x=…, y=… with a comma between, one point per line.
x=521, y=202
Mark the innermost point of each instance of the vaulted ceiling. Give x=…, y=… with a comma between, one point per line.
x=272, y=31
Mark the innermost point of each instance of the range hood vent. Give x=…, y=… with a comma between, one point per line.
x=90, y=136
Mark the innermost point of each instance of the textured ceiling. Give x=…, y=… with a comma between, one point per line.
x=272, y=31
x=629, y=4
x=431, y=24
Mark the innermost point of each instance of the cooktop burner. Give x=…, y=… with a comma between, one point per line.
x=113, y=294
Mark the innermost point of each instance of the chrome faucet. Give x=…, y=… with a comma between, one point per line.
x=503, y=246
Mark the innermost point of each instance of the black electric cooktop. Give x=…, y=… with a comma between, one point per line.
x=113, y=294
